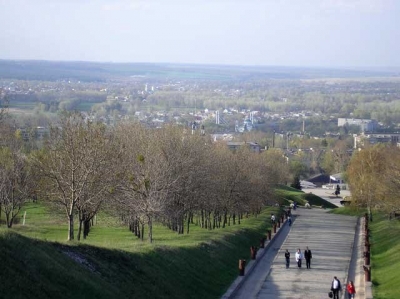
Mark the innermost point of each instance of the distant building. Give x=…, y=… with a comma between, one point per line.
x=366, y=125
x=374, y=138
x=38, y=133
x=254, y=147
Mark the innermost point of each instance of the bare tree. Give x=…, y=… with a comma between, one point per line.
x=4, y=102
x=147, y=178
x=74, y=166
x=187, y=157
x=16, y=182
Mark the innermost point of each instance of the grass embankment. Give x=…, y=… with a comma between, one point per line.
x=36, y=261
x=385, y=254
x=291, y=194
x=385, y=257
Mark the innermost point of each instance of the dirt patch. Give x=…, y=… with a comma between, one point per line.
x=80, y=259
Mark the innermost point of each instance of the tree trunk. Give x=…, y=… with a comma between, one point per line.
x=225, y=220
x=188, y=223
x=70, y=227
x=136, y=228
x=79, y=230
x=182, y=229
x=142, y=231
x=8, y=220
x=86, y=228
x=150, y=224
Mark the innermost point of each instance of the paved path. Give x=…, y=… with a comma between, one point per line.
x=330, y=238
x=328, y=194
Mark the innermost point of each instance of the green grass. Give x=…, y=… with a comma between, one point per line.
x=36, y=269
x=289, y=195
x=201, y=264
x=350, y=211
x=385, y=257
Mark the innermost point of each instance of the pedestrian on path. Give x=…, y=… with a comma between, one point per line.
x=287, y=257
x=272, y=218
x=299, y=257
x=336, y=287
x=351, y=290
x=308, y=257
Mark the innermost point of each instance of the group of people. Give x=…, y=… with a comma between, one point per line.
x=299, y=257
x=336, y=287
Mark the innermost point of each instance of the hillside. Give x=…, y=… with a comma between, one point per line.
x=113, y=263
x=99, y=72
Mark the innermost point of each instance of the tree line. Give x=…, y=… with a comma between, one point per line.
x=139, y=174
x=374, y=178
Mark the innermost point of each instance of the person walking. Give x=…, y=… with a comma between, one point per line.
x=287, y=257
x=336, y=287
x=299, y=257
x=308, y=257
x=351, y=290
x=272, y=219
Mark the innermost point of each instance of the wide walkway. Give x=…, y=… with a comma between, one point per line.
x=330, y=238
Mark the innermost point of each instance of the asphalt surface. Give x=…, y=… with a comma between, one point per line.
x=331, y=238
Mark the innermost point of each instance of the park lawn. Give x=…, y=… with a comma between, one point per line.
x=115, y=264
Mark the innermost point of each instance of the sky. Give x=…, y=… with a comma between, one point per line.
x=305, y=33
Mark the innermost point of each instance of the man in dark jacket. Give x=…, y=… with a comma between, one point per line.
x=308, y=257
x=287, y=257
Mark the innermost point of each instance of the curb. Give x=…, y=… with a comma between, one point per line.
x=240, y=280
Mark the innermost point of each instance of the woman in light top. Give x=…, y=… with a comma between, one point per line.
x=299, y=257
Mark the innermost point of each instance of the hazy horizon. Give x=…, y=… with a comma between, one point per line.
x=276, y=33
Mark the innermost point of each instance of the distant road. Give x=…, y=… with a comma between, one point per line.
x=328, y=194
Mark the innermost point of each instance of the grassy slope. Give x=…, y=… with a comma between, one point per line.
x=385, y=254
x=201, y=264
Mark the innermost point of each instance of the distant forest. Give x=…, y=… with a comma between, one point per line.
x=100, y=72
